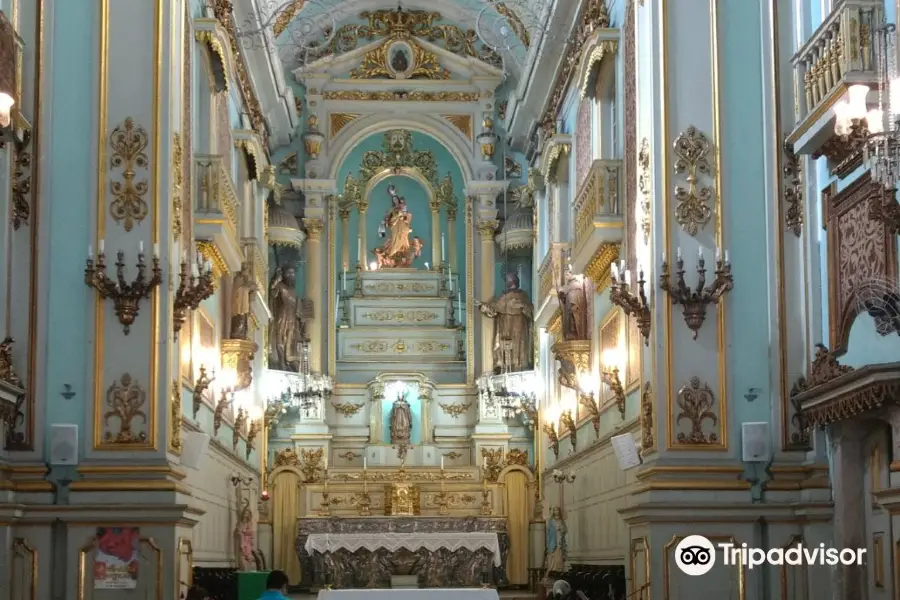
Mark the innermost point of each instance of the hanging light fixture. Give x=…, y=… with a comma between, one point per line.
x=311, y=388
x=875, y=132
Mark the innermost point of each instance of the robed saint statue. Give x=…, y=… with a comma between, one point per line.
x=398, y=250
x=513, y=315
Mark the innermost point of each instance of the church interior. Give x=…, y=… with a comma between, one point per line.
x=448, y=299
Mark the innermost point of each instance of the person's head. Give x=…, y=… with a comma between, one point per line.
x=277, y=580
x=197, y=593
x=512, y=281
x=289, y=275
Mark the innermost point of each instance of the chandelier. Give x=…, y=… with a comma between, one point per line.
x=875, y=133
x=310, y=389
x=513, y=392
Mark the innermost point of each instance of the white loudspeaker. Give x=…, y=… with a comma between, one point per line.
x=64, y=444
x=193, y=449
x=626, y=451
x=755, y=442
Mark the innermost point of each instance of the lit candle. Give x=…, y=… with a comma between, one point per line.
x=156, y=250
x=90, y=252
x=365, y=463
x=140, y=247
x=627, y=277
x=101, y=246
x=442, y=463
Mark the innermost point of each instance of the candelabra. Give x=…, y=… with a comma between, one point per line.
x=126, y=296
x=514, y=392
x=275, y=409
x=611, y=379
x=569, y=422
x=237, y=428
x=550, y=430
x=201, y=385
x=441, y=498
x=633, y=305
x=194, y=286
x=226, y=398
x=694, y=302
x=252, y=432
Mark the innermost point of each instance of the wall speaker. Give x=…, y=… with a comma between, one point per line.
x=626, y=451
x=64, y=444
x=193, y=449
x=756, y=442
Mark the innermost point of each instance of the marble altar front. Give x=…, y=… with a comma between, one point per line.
x=437, y=565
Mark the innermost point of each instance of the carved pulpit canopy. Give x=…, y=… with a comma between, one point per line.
x=833, y=392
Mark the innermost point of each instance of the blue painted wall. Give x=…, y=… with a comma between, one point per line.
x=72, y=189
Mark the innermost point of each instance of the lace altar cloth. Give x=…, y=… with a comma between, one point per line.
x=331, y=542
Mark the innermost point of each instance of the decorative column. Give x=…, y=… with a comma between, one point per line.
x=848, y=460
x=344, y=212
x=362, y=207
x=436, y=257
x=486, y=229
x=314, y=290
x=451, y=237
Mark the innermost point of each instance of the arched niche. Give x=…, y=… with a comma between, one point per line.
x=379, y=416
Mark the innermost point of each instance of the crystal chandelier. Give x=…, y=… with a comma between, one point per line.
x=513, y=392
x=310, y=389
x=875, y=132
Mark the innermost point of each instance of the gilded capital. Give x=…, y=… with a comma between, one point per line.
x=362, y=206
x=488, y=228
x=435, y=206
x=451, y=213
x=344, y=213
x=313, y=228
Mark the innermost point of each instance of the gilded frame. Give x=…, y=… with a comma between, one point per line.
x=22, y=550
x=91, y=546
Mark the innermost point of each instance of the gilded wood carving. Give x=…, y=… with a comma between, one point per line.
x=128, y=143
x=175, y=416
x=126, y=400
x=793, y=191
x=696, y=403
x=692, y=209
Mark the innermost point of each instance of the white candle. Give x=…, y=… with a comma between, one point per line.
x=627, y=277
x=443, y=249
x=325, y=463
x=365, y=463
x=90, y=252
x=484, y=463
x=208, y=266
x=459, y=302
x=664, y=257
x=700, y=252
x=726, y=257
x=344, y=281
x=615, y=270
x=195, y=271
x=449, y=279
x=442, y=463
x=718, y=254
x=101, y=246
x=678, y=253
x=359, y=254
x=140, y=247
x=155, y=250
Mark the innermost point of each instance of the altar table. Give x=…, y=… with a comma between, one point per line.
x=431, y=594
x=365, y=552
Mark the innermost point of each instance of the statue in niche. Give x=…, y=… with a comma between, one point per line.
x=401, y=424
x=573, y=298
x=242, y=287
x=556, y=542
x=245, y=538
x=513, y=315
x=397, y=250
x=288, y=328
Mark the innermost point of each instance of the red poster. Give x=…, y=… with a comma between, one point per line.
x=116, y=559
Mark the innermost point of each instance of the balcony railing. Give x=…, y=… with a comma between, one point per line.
x=839, y=54
x=216, y=197
x=598, y=211
x=551, y=271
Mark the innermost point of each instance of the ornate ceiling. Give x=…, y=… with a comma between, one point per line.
x=498, y=32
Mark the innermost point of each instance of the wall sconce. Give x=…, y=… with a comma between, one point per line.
x=193, y=288
x=201, y=385
x=569, y=422
x=126, y=296
x=225, y=399
x=240, y=421
x=550, y=430
x=633, y=305
x=255, y=428
x=563, y=476
x=8, y=132
x=694, y=302
x=588, y=398
x=611, y=379
x=274, y=411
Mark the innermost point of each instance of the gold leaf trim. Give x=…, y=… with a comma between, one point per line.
x=338, y=121
x=461, y=122
x=598, y=269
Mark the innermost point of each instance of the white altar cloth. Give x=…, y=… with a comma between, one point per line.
x=423, y=594
x=331, y=542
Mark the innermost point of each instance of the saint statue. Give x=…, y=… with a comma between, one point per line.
x=397, y=250
x=287, y=328
x=513, y=315
x=242, y=286
x=245, y=538
x=556, y=542
x=573, y=298
x=401, y=424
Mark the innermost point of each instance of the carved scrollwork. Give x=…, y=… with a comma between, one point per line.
x=128, y=143
x=455, y=410
x=693, y=210
x=126, y=400
x=697, y=403
x=287, y=458
x=648, y=441
x=312, y=464
x=517, y=457
x=793, y=190
x=21, y=184
x=347, y=409
x=645, y=186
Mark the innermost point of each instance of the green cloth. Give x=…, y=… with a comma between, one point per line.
x=251, y=584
